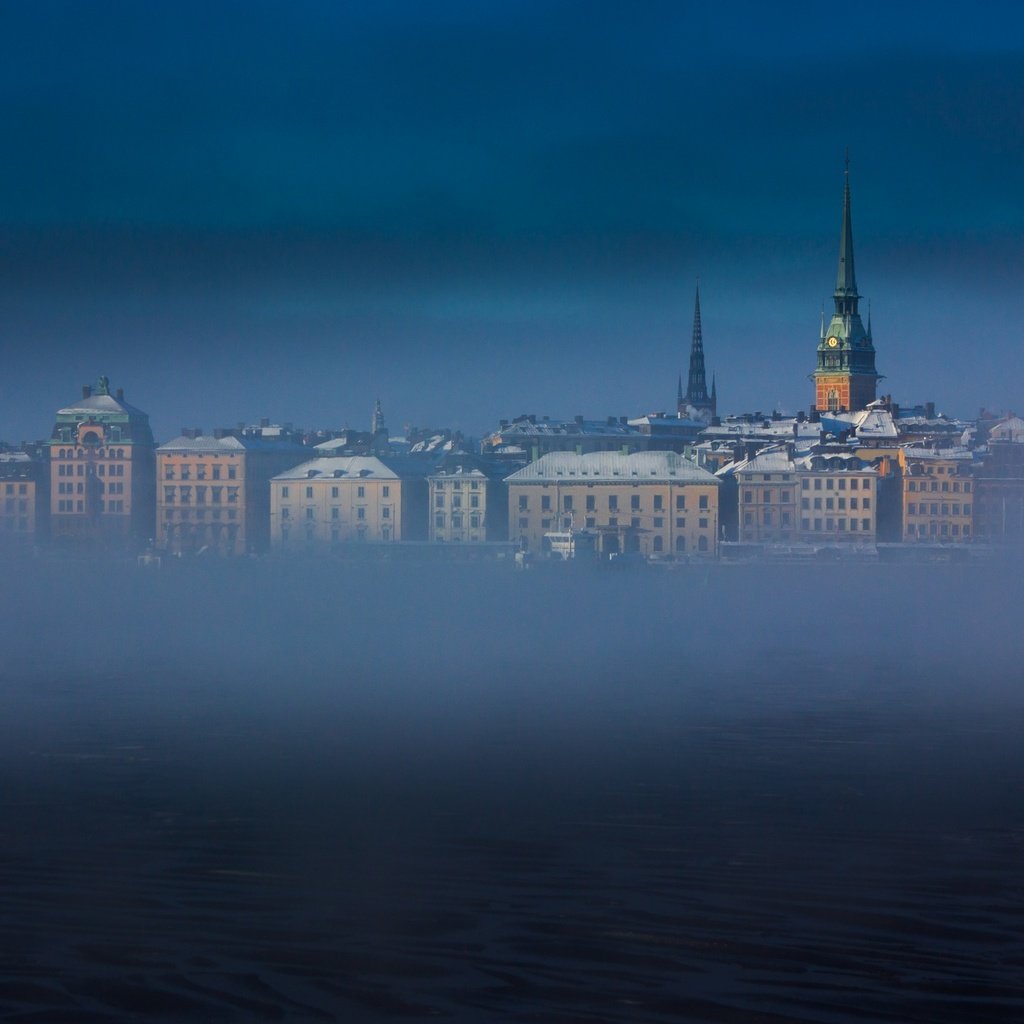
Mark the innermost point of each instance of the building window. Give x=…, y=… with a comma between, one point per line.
x=360, y=513
x=386, y=491
x=439, y=521
x=216, y=472
x=334, y=492
x=284, y=492
x=456, y=521
x=335, y=513
x=613, y=503
x=474, y=521
x=285, y=513
x=590, y=503
x=545, y=503
x=566, y=502
x=680, y=502
x=522, y=502
x=702, y=502
x=385, y=512
x=634, y=502
x=232, y=472
x=658, y=544
x=309, y=492
x=309, y=513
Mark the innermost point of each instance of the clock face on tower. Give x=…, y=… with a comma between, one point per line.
x=833, y=341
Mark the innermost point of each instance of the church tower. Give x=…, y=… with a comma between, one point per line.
x=845, y=377
x=697, y=403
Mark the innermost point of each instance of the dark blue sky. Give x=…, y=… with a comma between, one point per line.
x=250, y=209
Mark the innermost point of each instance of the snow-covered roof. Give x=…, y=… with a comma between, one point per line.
x=207, y=443
x=924, y=454
x=357, y=467
x=99, y=404
x=1009, y=429
x=775, y=460
x=613, y=467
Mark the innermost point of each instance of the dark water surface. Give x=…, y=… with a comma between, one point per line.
x=366, y=793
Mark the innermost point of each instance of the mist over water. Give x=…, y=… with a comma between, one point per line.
x=353, y=791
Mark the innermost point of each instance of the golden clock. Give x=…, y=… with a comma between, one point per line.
x=833, y=341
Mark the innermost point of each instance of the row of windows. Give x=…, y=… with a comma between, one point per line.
x=474, y=500
x=385, y=513
x=186, y=472
x=184, y=494
x=836, y=483
x=385, y=491
x=938, y=530
x=933, y=485
x=457, y=519
x=839, y=524
x=591, y=522
x=12, y=505
x=840, y=503
x=71, y=453
x=199, y=513
x=22, y=488
x=456, y=485
x=102, y=469
x=932, y=508
x=69, y=488
x=613, y=502
x=70, y=505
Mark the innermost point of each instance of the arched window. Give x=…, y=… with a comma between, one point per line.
x=833, y=400
x=680, y=544
x=658, y=544
x=702, y=544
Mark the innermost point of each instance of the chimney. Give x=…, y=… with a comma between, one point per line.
x=86, y=391
x=929, y=410
x=120, y=394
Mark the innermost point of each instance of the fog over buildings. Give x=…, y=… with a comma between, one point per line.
x=422, y=598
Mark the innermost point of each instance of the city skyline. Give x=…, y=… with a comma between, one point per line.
x=473, y=215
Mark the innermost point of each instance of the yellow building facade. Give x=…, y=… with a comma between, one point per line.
x=938, y=495
x=355, y=498
x=650, y=503
x=838, y=499
x=213, y=492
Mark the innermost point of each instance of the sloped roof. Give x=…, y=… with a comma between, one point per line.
x=228, y=444
x=363, y=467
x=100, y=405
x=613, y=467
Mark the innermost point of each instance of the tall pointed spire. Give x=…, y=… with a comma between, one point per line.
x=697, y=386
x=696, y=400
x=846, y=280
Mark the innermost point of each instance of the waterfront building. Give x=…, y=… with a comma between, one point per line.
x=938, y=495
x=767, y=489
x=468, y=500
x=845, y=378
x=651, y=503
x=101, y=469
x=213, y=491
x=337, y=499
x=24, y=496
x=838, y=498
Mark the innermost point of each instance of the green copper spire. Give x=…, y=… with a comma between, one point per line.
x=846, y=281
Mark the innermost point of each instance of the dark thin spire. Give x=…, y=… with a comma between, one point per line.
x=846, y=281
x=679, y=391
x=697, y=386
